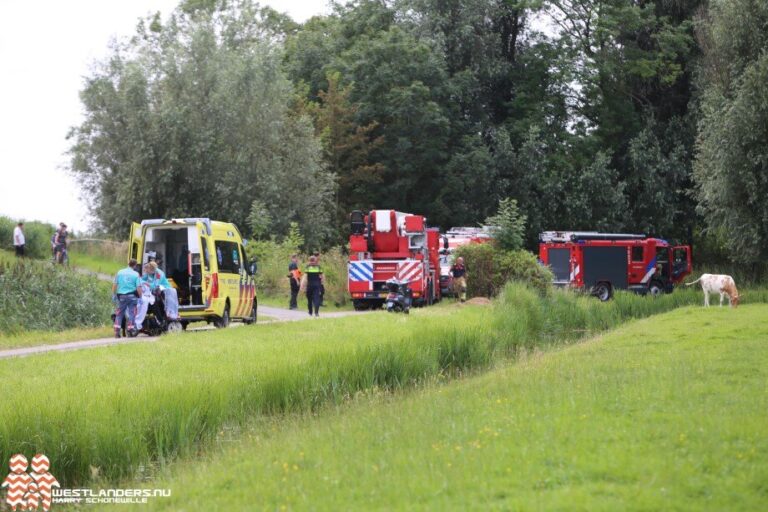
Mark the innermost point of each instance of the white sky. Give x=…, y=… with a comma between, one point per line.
x=46, y=49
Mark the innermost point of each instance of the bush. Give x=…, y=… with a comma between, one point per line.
x=37, y=235
x=41, y=296
x=489, y=268
x=272, y=274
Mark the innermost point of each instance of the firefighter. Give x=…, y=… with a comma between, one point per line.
x=312, y=282
x=294, y=277
x=459, y=273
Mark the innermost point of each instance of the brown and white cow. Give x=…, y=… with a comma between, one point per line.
x=718, y=283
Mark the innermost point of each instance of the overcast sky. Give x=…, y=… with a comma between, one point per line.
x=46, y=49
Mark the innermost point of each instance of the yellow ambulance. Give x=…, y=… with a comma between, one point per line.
x=206, y=263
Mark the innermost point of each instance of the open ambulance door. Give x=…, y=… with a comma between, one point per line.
x=136, y=242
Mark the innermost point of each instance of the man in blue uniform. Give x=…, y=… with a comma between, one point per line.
x=125, y=290
x=312, y=283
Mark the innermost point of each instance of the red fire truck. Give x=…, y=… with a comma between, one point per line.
x=386, y=244
x=604, y=262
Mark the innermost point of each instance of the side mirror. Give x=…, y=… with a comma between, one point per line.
x=252, y=267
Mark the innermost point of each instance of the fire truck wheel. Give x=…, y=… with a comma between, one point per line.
x=360, y=305
x=656, y=289
x=603, y=291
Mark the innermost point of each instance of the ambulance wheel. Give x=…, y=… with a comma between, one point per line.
x=603, y=291
x=656, y=289
x=175, y=327
x=252, y=317
x=223, y=322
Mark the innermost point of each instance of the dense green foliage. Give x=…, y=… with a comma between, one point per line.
x=41, y=296
x=507, y=225
x=490, y=268
x=585, y=112
x=37, y=236
x=624, y=422
x=157, y=401
x=732, y=161
x=192, y=118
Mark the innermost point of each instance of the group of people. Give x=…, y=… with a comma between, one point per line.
x=311, y=281
x=132, y=295
x=58, y=242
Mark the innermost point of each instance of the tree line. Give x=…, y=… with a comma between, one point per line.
x=640, y=115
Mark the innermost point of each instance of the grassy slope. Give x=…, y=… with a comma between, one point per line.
x=667, y=413
x=95, y=263
x=116, y=407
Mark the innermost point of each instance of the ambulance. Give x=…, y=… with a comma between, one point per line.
x=205, y=261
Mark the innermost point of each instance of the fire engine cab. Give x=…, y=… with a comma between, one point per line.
x=603, y=262
x=386, y=244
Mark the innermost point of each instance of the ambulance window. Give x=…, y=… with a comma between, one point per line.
x=637, y=253
x=228, y=255
x=206, y=259
x=135, y=251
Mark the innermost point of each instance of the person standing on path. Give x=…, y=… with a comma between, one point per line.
x=18, y=239
x=312, y=283
x=322, y=285
x=459, y=273
x=294, y=277
x=60, y=244
x=125, y=293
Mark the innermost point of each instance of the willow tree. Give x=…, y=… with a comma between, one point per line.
x=192, y=117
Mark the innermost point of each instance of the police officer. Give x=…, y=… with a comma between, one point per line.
x=459, y=273
x=312, y=282
x=125, y=294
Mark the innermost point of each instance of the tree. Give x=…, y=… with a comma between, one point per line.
x=191, y=118
x=347, y=148
x=731, y=166
x=508, y=225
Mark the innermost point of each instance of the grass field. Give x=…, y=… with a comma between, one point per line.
x=667, y=413
x=282, y=302
x=122, y=408
x=34, y=338
x=95, y=263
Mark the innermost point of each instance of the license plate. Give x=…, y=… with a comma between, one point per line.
x=384, y=295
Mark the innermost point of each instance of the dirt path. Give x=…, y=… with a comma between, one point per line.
x=280, y=315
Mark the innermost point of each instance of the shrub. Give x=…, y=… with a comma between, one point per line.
x=41, y=296
x=508, y=225
x=37, y=236
x=272, y=274
x=489, y=268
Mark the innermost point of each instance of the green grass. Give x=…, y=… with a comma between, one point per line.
x=667, y=413
x=119, y=408
x=36, y=295
x=94, y=263
x=276, y=301
x=35, y=338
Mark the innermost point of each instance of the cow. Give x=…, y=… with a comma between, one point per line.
x=718, y=283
